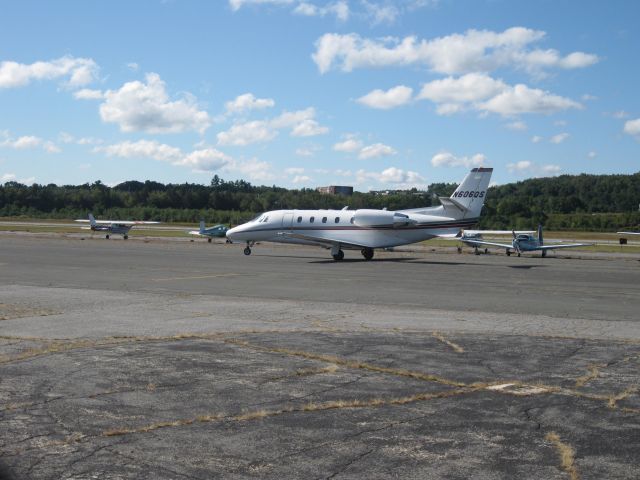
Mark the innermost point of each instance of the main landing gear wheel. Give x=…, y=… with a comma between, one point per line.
x=459, y=249
x=126, y=236
x=367, y=253
x=338, y=256
x=518, y=253
x=106, y=236
x=544, y=253
x=247, y=251
x=209, y=240
x=508, y=253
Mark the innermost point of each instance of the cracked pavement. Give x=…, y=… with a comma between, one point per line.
x=107, y=374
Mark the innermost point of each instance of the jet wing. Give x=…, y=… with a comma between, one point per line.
x=484, y=242
x=568, y=245
x=496, y=232
x=322, y=241
x=629, y=233
x=117, y=222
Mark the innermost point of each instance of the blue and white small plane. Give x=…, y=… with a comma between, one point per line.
x=468, y=237
x=217, y=231
x=118, y=227
x=525, y=242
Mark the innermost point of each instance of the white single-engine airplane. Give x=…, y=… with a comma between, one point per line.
x=525, y=242
x=628, y=233
x=119, y=227
x=211, y=232
x=366, y=229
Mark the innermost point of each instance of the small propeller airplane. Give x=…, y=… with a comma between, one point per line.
x=525, y=242
x=628, y=233
x=469, y=236
x=118, y=227
x=217, y=231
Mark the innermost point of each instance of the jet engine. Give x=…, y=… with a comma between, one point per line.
x=381, y=218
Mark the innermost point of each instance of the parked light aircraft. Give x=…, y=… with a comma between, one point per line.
x=469, y=236
x=119, y=227
x=211, y=232
x=628, y=233
x=525, y=242
x=367, y=229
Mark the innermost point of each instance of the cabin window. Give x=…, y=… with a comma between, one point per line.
x=352, y=220
x=312, y=219
x=337, y=220
x=299, y=219
x=324, y=219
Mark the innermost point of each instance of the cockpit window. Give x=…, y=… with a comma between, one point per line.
x=258, y=218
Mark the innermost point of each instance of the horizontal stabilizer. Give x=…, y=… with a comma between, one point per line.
x=450, y=202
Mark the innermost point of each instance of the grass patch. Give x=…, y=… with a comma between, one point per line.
x=566, y=453
x=454, y=346
x=594, y=372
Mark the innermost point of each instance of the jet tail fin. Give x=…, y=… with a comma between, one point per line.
x=92, y=220
x=540, y=240
x=469, y=197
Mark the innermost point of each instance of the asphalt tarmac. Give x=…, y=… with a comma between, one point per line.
x=169, y=360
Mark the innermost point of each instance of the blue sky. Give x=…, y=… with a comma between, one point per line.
x=302, y=93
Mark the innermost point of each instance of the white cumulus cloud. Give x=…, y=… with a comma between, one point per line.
x=447, y=159
x=559, y=138
x=349, y=145
x=526, y=167
x=88, y=94
x=375, y=151
x=471, y=51
x=384, y=100
x=521, y=99
x=632, y=127
x=248, y=101
x=392, y=175
x=76, y=71
x=207, y=159
x=140, y=106
x=243, y=134
x=301, y=123
x=339, y=9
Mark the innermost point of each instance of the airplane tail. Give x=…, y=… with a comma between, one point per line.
x=92, y=220
x=540, y=240
x=469, y=197
x=202, y=226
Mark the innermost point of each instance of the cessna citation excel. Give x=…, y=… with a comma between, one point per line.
x=366, y=229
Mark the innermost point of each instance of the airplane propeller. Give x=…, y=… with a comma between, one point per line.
x=515, y=242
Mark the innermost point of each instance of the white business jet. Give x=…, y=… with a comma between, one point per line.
x=367, y=229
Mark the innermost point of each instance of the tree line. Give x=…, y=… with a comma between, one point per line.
x=583, y=202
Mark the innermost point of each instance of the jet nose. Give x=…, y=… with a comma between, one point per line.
x=232, y=233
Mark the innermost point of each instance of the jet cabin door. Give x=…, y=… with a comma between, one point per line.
x=287, y=221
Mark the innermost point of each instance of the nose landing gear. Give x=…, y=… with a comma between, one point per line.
x=247, y=249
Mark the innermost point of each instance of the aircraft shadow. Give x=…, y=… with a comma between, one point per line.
x=526, y=267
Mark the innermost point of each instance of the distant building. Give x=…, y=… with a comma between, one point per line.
x=336, y=190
